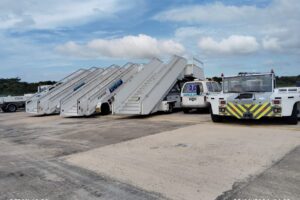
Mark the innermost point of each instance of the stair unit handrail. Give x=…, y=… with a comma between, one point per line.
x=106, y=77
x=131, y=85
x=37, y=95
x=91, y=100
x=128, y=67
x=69, y=97
x=167, y=70
x=62, y=84
x=77, y=82
x=87, y=88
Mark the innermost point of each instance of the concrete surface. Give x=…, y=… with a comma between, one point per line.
x=31, y=149
x=33, y=152
x=281, y=181
x=196, y=161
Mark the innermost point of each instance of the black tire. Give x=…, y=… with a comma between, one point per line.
x=215, y=118
x=171, y=107
x=11, y=108
x=105, y=109
x=293, y=119
x=186, y=110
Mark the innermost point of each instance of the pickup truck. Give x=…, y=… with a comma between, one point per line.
x=194, y=94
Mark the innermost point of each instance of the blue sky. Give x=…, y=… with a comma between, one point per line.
x=46, y=40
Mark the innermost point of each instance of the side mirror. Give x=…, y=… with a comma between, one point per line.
x=198, y=90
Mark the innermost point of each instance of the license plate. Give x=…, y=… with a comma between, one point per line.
x=192, y=99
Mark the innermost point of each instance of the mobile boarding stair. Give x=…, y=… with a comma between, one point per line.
x=47, y=102
x=97, y=97
x=31, y=104
x=147, y=90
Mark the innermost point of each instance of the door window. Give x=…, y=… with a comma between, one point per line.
x=192, y=88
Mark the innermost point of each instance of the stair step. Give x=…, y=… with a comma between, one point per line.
x=132, y=103
x=130, y=109
x=132, y=106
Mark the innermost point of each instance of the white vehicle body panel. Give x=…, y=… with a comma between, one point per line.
x=192, y=100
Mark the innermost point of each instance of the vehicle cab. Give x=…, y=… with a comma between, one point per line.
x=194, y=94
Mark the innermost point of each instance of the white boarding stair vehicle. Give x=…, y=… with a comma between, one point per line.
x=100, y=98
x=50, y=103
x=69, y=103
x=144, y=94
x=254, y=96
x=33, y=104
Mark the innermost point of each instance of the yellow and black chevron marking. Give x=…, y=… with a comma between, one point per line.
x=257, y=111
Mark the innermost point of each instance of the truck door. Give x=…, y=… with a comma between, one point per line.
x=192, y=95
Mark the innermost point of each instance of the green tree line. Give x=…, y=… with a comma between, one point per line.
x=14, y=86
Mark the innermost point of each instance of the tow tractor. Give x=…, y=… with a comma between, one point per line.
x=254, y=96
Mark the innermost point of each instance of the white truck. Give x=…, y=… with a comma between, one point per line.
x=194, y=94
x=13, y=103
x=253, y=96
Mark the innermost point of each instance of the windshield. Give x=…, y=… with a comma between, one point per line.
x=213, y=87
x=192, y=87
x=255, y=83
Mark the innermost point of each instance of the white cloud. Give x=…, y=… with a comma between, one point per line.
x=189, y=32
x=216, y=12
x=235, y=44
x=54, y=13
x=141, y=46
x=278, y=19
x=271, y=44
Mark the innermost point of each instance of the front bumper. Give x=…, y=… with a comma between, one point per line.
x=250, y=111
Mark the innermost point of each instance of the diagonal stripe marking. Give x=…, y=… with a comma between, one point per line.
x=251, y=106
x=232, y=113
x=261, y=109
x=254, y=107
x=264, y=112
x=235, y=109
x=248, y=105
x=242, y=108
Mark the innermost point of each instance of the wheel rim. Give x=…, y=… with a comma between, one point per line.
x=11, y=108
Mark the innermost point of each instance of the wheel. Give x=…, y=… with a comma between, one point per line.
x=11, y=108
x=171, y=107
x=105, y=109
x=215, y=118
x=186, y=110
x=293, y=119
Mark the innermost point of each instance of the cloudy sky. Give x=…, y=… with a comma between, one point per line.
x=46, y=40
